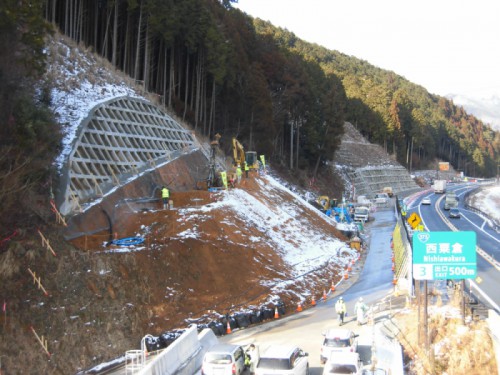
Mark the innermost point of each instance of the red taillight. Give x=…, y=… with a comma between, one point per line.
x=234, y=368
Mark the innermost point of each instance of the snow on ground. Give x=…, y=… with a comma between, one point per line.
x=488, y=201
x=79, y=84
x=299, y=243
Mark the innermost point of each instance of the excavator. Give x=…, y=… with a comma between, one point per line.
x=326, y=203
x=240, y=156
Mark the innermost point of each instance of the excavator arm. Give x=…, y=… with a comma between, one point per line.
x=238, y=153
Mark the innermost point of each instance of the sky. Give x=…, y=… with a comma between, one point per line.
x=446, y=46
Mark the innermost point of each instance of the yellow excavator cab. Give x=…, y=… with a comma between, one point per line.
x=251, y=159
x=324, y=202
x=240, y=156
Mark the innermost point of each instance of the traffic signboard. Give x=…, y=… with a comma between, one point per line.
x=414, y=220
x=444, y=255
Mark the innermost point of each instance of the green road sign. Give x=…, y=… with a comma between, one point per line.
x=444, y=255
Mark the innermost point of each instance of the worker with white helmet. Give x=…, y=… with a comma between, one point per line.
x=360, y=310
x=341, y=309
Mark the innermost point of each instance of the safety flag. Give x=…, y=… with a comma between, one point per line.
x=263, y=160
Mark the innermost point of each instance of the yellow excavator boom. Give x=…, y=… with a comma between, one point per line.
x=238, y=153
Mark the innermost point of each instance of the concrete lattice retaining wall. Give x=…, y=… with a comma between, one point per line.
x=119, y=138
x=371, y=180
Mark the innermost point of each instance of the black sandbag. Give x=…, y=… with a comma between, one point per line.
x=255, y=317
x=153, y=343
x=167, y=338
x=242, y=319
x=267, y=313
x=232, y=322
x=217, y=328
x=281, y=307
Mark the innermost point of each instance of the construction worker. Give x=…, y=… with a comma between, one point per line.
x=165, y=195
x=251, y=358
x=238, y=173
x=246, y=169
x=360, y=310
x=341, y=309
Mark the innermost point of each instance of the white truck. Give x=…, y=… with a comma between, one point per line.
x=382, y=199
x=450, y=201
x=362, y=213
x=439, y=186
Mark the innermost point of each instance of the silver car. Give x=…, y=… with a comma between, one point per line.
x=283, y=360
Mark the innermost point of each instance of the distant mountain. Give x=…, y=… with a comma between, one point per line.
x=486, y=109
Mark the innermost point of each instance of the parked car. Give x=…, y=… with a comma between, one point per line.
x=283, y=360
x=222, y=359
x=338, y=340
x=426, y=200
x=343, y=363
x=454, y=213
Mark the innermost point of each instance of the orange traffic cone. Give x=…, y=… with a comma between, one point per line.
x=353, y=261
x=332, y=288
x=349, y=268
x=324, y=295
x=346, y=275
x=299, y=307
x=392, y=266
x=392, y=257
x=276, y=315
x=313, y=301
x=394, y=280
x=228, y=329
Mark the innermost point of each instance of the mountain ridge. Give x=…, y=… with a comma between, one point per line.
x=487, y=109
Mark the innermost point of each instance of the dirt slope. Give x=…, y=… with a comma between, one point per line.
x=223, y=264
x=202, y=259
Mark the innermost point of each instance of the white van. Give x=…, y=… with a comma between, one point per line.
x=223, y=359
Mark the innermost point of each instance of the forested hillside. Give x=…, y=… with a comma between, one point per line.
x=224, y=72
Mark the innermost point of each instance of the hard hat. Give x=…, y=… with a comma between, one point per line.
x=360, y=299
x=340, y=298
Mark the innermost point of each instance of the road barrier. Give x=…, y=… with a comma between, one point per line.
x=184, y=355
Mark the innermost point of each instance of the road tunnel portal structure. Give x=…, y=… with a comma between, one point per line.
x=119, y=139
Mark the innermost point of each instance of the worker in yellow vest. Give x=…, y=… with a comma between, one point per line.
x=165, y=195
x=246, y=170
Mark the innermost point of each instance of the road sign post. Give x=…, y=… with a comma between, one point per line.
x=444, y=255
